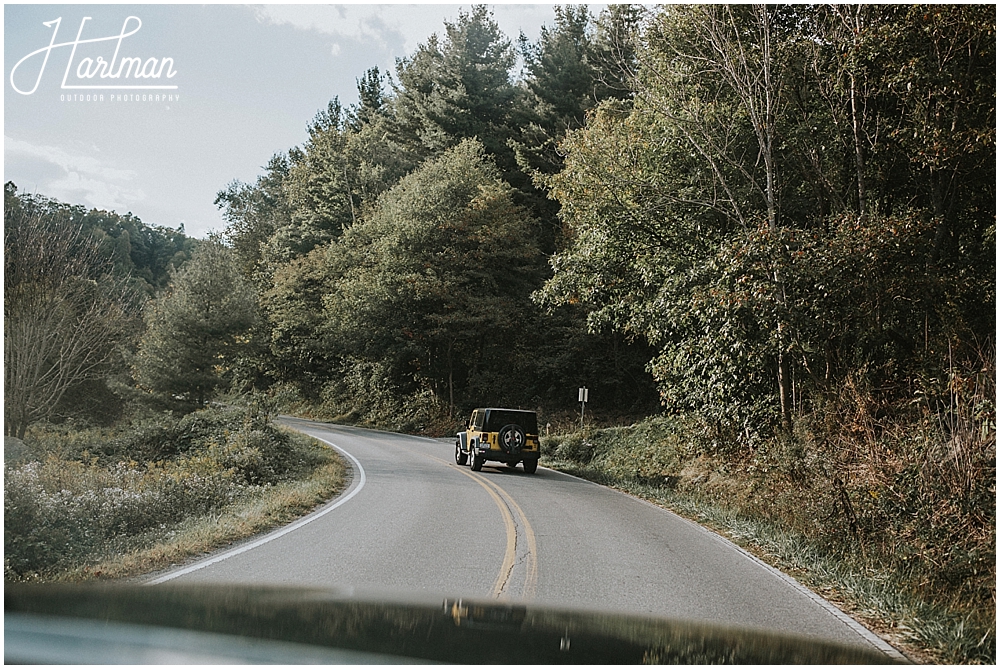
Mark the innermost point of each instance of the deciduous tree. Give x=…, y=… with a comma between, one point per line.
x=705, y=215
x=65, y=313
x=435, y=282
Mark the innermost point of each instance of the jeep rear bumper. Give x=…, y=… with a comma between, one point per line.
x=501, y=456
x=483, y=449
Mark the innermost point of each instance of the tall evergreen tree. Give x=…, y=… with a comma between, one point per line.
x=197, y=329
x=458, y=88
x=371, y=99
x=572, y=67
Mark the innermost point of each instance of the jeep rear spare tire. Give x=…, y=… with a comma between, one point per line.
x=512, y=439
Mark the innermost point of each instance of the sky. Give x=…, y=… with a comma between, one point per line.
x=222, y=89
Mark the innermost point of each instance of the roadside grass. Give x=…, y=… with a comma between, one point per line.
x=195, y=537
x=754, y=506
x=98, y=504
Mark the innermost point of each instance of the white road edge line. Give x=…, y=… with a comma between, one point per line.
x=280, y=533
x=859, y=629
x=865, y=633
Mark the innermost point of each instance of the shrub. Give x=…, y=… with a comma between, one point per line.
x=867, y=481
x=654, y=448
x=167, y=437
x=57, y=512
x=73, y=506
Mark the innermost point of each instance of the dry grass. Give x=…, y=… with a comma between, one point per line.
x=196, y=537
x=887, y=509
x=90, y=505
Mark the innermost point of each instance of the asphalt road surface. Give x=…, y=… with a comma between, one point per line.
x=413, y=523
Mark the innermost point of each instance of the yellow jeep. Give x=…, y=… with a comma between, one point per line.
x=505, y=435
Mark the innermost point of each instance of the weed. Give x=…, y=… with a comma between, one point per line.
x=66, y=508
x=894, y=519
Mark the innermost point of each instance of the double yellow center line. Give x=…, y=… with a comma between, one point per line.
x=508, y=507
x=506, y=504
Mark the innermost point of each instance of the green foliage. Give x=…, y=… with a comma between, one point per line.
x=74, y=284
x=655, y=449
x=343, y=168
x=319, y=184
x=574, y=66
x=302, y=232
x=565, y=356
x=66, y=315
x=743, y=213
x=458, y=88
x=371, y=99
x=561, y=74
x=363, y=391
x=435, y=282
x=309, y=196
x=294, y=312
x=144, y=253
x=197, y=329
x=426, y=295
x=76, y=505
x=255, y=213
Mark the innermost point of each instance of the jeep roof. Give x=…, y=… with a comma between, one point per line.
x=496, y=418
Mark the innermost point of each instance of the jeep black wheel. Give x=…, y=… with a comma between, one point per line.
x=460, y=457
x=477, y=462
x=530, y=466
x=512, y=438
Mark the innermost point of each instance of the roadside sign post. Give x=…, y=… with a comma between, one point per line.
x=583, y=397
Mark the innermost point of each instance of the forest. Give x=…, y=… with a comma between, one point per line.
x=772, y=225
x=731, y=211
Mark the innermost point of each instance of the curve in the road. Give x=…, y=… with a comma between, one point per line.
x=417, y=527
x=859, y=629
x=510, y=553
x=356, y=487
x=531, y=558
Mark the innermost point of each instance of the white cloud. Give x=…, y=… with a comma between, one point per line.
x=379, y=24
x=408, y=25
x=72, y=177
x=65, y=160
x=96, y=193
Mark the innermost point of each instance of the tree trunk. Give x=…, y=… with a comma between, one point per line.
x=766, y=137
x=854, y=25
x=785, y=391
x=451, y=382
x=859, y=158
x=942, y=231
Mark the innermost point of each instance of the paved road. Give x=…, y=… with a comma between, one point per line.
x=412, y=522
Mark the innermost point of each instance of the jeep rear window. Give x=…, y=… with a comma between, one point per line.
x=526, y=419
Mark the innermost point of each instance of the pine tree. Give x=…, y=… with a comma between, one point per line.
x=197, y=329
